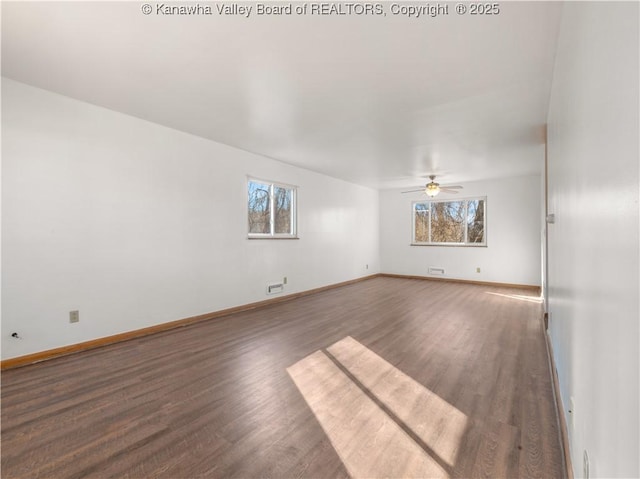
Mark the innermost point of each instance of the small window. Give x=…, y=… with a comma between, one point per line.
x=271, y=210
x=454, y=223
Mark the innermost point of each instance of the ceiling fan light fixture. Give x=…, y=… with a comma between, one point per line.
x=432, y=189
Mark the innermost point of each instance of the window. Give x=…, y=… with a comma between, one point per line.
x=272, y=210
x=457, y=223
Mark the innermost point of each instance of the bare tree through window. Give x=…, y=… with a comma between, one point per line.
x=459, y=222
x=259, y=208
x=271, y=209
x=421, y=220
x=447, y=222
x=282, y=203
x=475, y=221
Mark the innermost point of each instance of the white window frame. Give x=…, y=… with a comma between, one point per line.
x=294, y=210
x=466, y=243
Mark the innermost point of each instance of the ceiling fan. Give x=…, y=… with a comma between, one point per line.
x=432, y=189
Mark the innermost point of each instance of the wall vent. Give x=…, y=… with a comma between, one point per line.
x=436, y=270
x=275, y=288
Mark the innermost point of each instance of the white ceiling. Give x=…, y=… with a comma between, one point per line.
x=377, y=101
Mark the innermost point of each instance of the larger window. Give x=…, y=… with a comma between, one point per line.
x=455, y=223
x=272, y=210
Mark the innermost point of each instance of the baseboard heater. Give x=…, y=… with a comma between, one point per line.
x=436, y=270
x=275, y=288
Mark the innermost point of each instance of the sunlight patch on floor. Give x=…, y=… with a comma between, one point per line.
x=519, y=297
x=381, y=422
x=436, y=422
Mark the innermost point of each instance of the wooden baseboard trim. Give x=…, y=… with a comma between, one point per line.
x=560, y=416
x=116, y=338
x=465, y=281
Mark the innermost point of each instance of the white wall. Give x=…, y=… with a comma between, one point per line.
x=512, y=254
x=134, y=224
x=593, y=246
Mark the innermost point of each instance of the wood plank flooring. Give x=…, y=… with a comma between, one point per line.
x=388, y=377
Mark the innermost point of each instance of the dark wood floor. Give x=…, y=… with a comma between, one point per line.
x=387, y=377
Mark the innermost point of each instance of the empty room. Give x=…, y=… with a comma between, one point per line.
x=320, y=239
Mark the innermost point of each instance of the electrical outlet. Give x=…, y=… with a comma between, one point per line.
x=74, y=316
x=478, y=269
x=366, y=266
x=284, y=281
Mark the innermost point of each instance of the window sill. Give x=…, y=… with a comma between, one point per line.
x=450, y=245
x=273, y=237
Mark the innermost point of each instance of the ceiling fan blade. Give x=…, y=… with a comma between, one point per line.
x=452, y=187
x=413, y=191
x=447, y=190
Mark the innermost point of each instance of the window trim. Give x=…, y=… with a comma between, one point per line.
x=294, y=208
x=466, y=224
